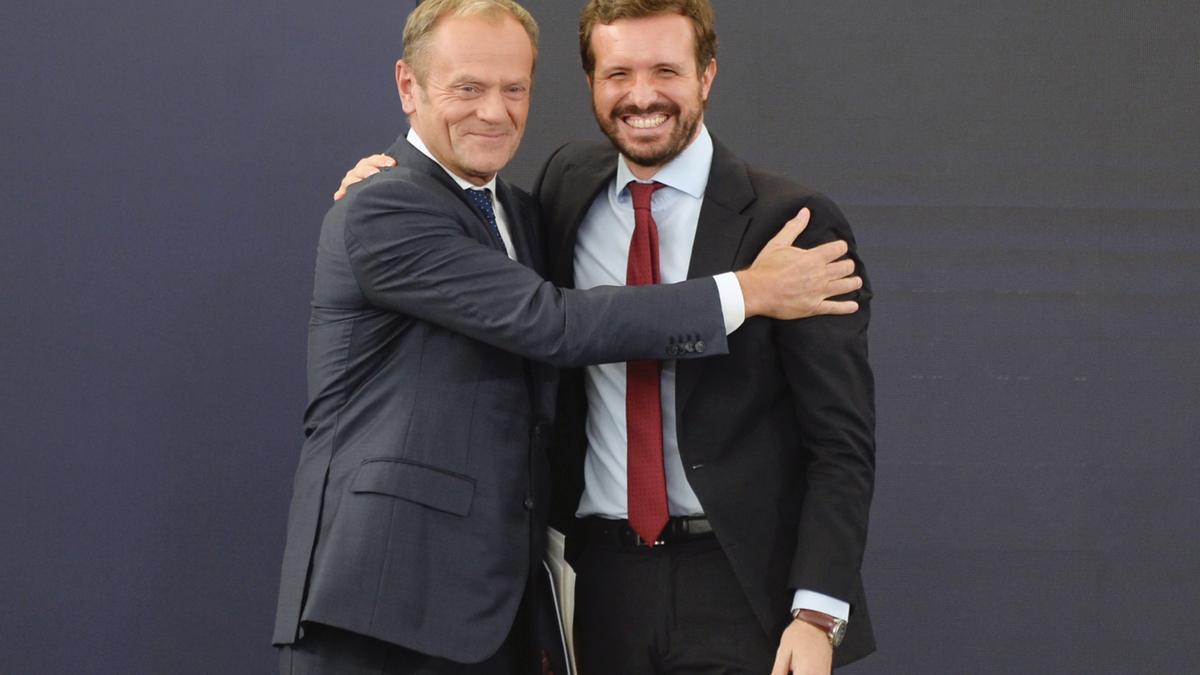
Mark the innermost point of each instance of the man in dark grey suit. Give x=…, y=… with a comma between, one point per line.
x=421, y=496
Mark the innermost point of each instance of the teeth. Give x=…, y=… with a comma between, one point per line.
x=646, y=122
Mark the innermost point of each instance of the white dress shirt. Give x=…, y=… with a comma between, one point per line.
x=601, y=257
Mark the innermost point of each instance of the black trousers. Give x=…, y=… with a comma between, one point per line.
x=325, y=650
x=675, y=609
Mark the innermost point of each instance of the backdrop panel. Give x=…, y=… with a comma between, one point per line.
x=1022, y=177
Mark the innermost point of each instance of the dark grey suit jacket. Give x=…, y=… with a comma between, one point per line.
x=777, y=437
x=421, y=495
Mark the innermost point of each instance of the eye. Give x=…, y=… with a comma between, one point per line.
x=469, y=89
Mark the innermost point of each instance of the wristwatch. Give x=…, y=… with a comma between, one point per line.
x=834, y=627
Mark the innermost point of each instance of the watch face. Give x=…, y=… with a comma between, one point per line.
x=838, y=632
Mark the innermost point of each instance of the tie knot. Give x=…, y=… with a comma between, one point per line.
x=482, y=197
x=641, y=193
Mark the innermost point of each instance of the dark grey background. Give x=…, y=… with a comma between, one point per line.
x=1022, y=177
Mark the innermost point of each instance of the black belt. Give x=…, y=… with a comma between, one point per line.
x=678, y=529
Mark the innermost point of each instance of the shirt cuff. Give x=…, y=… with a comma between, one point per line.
x=819, y=602
x=733, y=304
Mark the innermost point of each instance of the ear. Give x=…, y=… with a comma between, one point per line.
x=406, y=84
x=707, y=77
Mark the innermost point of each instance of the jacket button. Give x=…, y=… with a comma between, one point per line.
x=699, y=346
x=529, y=503
x=690, y=347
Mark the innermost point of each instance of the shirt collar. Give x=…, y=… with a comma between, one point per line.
x=417, y=143
x=687, y=173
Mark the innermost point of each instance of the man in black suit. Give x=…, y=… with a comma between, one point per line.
x=421, y=496
x=766, y=454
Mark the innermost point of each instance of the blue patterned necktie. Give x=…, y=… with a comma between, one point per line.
x=483, y=199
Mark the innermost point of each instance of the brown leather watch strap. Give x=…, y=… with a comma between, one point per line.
x=819, y=619
x=834, y=627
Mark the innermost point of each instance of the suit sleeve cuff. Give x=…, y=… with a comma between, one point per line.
x=819, y=602
x=733, y=304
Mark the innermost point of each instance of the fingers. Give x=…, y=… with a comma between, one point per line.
x=843, y=286
x=379, y=161
x=364, y=169
x=832, y=250
x=790, y=230
x=839, y=269
x=836, y=307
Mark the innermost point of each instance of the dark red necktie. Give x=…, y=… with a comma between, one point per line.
x=647, y=482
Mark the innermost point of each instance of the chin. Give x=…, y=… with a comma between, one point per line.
x=645, y=154
x=484, y=169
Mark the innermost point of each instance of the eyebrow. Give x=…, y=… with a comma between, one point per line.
x=468, y=78
x=677, y=65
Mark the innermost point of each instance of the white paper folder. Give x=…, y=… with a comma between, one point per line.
x=562, y=582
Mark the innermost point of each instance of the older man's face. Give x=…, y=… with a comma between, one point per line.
x=647, y=92
x=472, y=106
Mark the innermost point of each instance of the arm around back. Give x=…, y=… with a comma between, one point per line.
x=411, y=253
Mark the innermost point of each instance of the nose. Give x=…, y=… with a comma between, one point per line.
x=491, y=107
x=642, y=92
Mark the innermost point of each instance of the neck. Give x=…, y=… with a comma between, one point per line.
x=642, y=173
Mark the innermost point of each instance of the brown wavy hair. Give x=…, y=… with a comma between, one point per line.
x=700, y=12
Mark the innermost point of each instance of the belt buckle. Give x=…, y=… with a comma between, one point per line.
x=643, y=542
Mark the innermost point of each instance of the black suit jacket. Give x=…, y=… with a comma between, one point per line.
x=777, y=437
x=421, y=495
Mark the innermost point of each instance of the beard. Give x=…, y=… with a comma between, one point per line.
x=656, y=154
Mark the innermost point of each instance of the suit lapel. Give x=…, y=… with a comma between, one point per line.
x=723, y=222
x=523, y=237
x=590, y=176
x=407, y=156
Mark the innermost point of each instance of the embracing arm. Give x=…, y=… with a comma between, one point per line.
x=411, y=255
x=785, y=281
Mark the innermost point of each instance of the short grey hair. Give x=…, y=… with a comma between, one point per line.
x=418, y=30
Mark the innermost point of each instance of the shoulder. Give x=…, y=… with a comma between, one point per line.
x=784, y=191
x=396, y=189
x=519, y=195
x=571, y=170
x=775, y=196
x=399, y=202
x=730, y=172
x=580, y=152
x=591, y=156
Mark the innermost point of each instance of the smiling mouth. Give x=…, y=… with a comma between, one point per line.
x=489, y=137
x=650, y=121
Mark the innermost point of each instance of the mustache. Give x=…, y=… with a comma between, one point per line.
x=630, y=109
